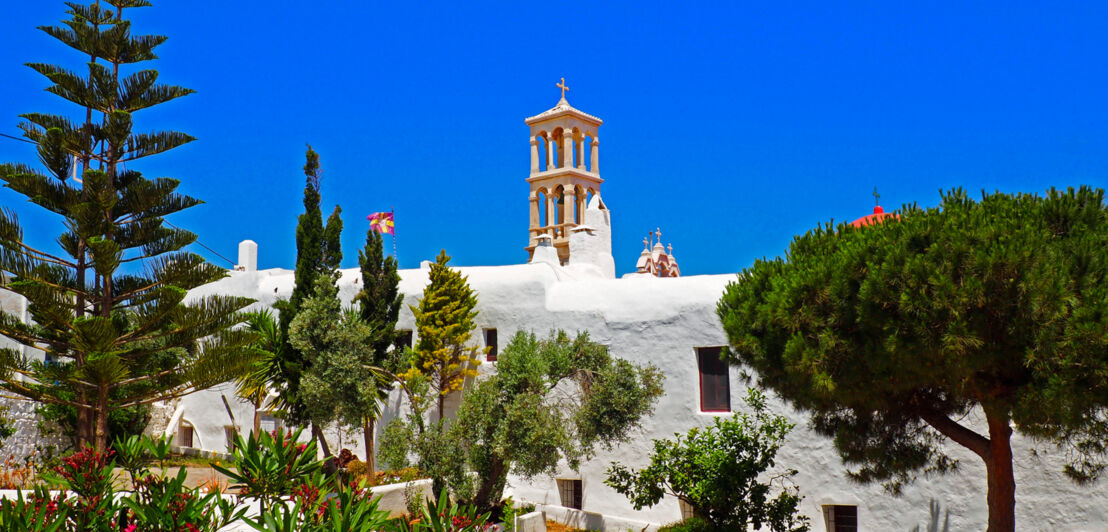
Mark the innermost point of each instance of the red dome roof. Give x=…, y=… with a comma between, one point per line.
x=878, y=215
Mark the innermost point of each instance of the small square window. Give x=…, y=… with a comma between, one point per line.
x=715, y=382
x=490, y=342
x=570, y=492
x=841, y=518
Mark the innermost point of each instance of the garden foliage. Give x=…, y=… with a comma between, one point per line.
x=275, y=469
x=379, y=303
x=551, y=400
x=719, y=471
x=445, y=321
x=318, y=253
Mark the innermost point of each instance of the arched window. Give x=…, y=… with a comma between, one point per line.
x=542, y=149
x=588, y=152
x=559, y=206
x=541, y=194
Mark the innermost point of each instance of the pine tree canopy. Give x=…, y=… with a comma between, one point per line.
x=891, y=335
x=108, y=310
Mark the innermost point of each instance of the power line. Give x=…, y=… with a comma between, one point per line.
x=201, y=244
x=198, y=242
x=21, y=139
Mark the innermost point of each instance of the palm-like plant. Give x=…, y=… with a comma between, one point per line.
x=254, y=386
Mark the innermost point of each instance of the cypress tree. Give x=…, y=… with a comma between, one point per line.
x=379, y=307
x=445, y=321
x=318, y=252
x=111, y=303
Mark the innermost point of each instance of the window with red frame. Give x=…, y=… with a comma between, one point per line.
x=715, y=384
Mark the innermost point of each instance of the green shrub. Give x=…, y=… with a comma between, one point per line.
x=269, y=466
x=716, y=471
x=692, y=524
x=315, y=508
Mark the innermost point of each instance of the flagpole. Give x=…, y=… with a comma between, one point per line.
x=392, y=210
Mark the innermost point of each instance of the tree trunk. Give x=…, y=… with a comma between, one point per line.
x=996, y=451
x=492, y=485
x=82, y=432
x=102, y=419
x=442, y=404
x=1002, y=481
x=368, y=426
x=318, y=434
x=257, y=417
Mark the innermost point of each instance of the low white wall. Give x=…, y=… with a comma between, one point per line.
x=532, y=522
x=393, y=499
x=591, y=520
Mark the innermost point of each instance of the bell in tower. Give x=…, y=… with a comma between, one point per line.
x=565, y=176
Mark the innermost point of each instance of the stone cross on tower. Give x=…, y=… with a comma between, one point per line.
x=565, y=171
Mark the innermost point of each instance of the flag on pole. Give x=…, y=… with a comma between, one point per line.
x=381, y=222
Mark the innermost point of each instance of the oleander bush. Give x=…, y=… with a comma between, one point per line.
x=273, y=468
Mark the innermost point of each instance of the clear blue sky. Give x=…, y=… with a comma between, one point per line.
x=731, y=125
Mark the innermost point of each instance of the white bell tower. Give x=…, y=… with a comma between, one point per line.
x=565, y=173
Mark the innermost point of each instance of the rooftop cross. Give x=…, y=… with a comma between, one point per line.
x=876, y=197
x=562, y=86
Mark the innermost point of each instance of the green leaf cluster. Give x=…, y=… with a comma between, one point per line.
x=269, y=466
x=339, y=384
x=718, y=472
x=445, y=321
x=551, y=399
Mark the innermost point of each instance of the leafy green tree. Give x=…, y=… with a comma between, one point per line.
x=716, y=471
x=436, y=445
x=516, y=422
x=891, y=335
x=379, y=304
x=337, y=382
x=317, y=253
x=113, y=298
x=444, y=319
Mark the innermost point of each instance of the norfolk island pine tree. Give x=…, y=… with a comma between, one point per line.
x=114, y=297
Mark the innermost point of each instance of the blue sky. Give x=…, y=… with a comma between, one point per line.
x=731, y=125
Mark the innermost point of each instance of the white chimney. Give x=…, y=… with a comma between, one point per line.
x=248, y=256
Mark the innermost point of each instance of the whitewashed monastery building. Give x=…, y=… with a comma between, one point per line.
x=653, y=315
